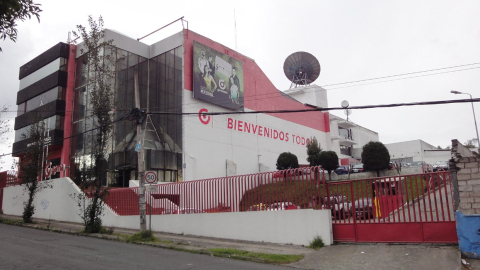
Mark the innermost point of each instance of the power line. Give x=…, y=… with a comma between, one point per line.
x=409, y=73
x=404, y=78
x=63, y=139
x=439, y=102
x=272, y=95
x=423, y=103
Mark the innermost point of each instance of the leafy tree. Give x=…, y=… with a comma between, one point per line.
x=100, y=65
x=329, y=162
x=31, y=168
x=313, y=152
x=287, y=160
x=375, y=157
x=13, y=10
x=470, y=143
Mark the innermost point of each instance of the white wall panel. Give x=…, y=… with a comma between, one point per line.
x=41, y=73
x=213, y=143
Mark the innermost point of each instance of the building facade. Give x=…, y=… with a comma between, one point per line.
x=417, y=150
x=209, y=111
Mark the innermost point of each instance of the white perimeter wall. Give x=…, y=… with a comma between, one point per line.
x=55, y=203
x=207, y=147
x=298, y=227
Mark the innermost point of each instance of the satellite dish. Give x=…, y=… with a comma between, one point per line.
x=345, y=104
x=301, y=68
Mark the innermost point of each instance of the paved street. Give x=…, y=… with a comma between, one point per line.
x=26, y=248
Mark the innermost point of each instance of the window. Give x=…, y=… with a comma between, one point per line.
x=345, y=150
x=345, y=133
x=42, y=99
x=51, y=123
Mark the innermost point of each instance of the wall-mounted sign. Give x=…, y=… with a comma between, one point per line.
x=217, y=77
x=151, y=188
x=48, y=171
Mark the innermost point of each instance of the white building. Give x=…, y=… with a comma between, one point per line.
x=416, y=150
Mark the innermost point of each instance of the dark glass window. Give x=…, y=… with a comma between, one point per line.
x=161, y=87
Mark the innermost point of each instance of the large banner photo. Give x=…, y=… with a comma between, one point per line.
x=217, y=78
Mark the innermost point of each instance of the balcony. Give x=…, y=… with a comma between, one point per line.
x=345, y=124
x=345, y=140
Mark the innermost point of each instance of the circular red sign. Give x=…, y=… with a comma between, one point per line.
x=205, y=119
x=150, y=177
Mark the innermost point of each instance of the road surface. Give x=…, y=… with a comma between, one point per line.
x=27, y=248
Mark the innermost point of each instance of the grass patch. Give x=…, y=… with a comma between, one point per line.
x=301, y=192
x=11, y=222
x=103, y=230
x=415, y=187
x=254, y=256
x=143, y=236
x=316, y=243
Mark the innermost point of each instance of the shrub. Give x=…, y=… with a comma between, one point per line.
x=142, y=236
x=329, y=161
x=316, y=243
x=375, y=157
x=287, y=160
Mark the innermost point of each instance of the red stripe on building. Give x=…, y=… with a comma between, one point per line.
x=260, y=93
x=67, y=123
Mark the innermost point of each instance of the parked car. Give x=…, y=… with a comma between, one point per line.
x=363, y=208
x=282, y=206
x=340, y=206
x=417, y=164
x=357, y=168
x=341, y=170
x=258, y=207
x=188, y=211
x=168, y=211
x=306, y=171
x=391, y=165
x=440, y=166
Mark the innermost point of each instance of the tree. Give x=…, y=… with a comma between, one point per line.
x=329, y=162
x=471, y=143
x=287, y=160
x=100, y=65
x=375, y=157
x=4, y=127
x=13, y=10
x=313, y=151
x=31, y=168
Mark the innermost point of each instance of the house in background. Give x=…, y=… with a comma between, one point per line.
x=416, y=150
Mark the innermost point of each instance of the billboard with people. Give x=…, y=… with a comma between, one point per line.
x=217, y=78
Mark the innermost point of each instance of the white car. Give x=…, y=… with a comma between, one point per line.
x=357, y=168
x=282, y=206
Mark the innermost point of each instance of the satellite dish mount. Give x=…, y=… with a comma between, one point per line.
x=347, y=111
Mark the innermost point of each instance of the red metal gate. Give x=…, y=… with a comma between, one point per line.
x=408, y=208
x=3, y=184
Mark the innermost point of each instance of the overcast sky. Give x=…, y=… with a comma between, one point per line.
x=353, y=40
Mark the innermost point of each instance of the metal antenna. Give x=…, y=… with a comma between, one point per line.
x=235, y=23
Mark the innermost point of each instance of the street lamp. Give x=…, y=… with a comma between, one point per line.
x=474, y=119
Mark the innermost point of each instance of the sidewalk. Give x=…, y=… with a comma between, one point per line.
x=340, y=256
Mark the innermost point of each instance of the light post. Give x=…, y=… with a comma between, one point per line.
x=474, y=119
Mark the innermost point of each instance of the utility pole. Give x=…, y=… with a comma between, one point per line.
x=140, y=166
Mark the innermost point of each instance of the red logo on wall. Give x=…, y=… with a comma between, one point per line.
x=205, y=119
x=49, y=170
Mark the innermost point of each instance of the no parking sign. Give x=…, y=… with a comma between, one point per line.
x=151, y=177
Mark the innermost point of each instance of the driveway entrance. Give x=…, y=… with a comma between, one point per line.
x=400, y=209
